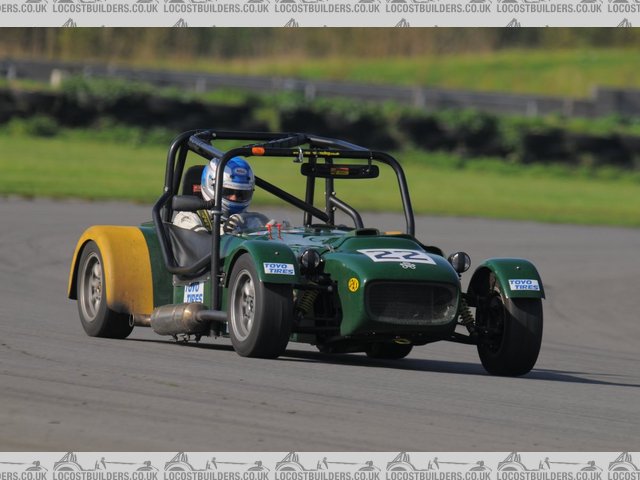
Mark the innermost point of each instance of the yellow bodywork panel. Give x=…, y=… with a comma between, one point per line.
x=126, y=264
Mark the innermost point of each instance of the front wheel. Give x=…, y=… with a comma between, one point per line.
x=260, y=315
x=97, y=319
x=510, y=334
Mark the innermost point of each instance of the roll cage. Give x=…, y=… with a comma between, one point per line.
x=299, y=146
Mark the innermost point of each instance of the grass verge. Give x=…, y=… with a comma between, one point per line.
x=72, y=165
x=571, y=73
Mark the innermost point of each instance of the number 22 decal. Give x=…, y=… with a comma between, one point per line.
x=397, y=255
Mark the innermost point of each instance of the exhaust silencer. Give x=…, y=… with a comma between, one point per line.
x=180, y=319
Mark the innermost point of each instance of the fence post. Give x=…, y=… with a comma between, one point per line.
x=57, y=77
x=201, y=85
x=418, y=98
x=310, y=91
x=12, y=72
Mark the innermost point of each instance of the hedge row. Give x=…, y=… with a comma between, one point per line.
x=385, y=127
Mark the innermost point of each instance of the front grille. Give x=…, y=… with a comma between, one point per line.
x=404, y=303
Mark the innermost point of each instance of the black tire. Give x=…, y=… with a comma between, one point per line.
x=260, y=314
x=97, y=319
x=515, y=334
x=388, y=351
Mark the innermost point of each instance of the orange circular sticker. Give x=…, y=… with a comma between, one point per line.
x=353, y=284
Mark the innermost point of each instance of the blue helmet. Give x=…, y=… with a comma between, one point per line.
x=237, y=185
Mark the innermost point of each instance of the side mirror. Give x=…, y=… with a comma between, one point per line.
x=460, y=261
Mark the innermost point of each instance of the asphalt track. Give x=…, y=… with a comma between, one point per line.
x=61, y=390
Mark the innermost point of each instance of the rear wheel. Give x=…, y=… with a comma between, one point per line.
x=97, y=319
x=389, y=351
x=510, y=333
x=260, y=314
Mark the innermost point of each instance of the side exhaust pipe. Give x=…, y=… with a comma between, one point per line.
x=180, y=319
x=140, y=320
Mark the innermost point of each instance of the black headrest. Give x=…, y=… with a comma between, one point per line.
x=191, y=180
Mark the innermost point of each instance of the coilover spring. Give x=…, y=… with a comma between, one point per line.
x=306, y=301
x=466, y=317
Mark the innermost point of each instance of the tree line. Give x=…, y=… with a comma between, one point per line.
x=166, y=44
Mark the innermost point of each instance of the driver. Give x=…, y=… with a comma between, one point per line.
x=237, y=191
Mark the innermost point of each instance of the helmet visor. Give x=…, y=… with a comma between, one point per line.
x=235, y=195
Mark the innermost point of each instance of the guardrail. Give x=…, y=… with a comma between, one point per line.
x=603, y=102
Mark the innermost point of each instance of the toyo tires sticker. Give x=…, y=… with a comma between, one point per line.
x=194, y=293
x=398, y=255
x=278, y=268
x=524, y=284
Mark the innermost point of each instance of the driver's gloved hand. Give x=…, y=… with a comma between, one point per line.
x=234, y=224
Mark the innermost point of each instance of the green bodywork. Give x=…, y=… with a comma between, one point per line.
x=518, y=270
x=341, y=262
x=161, y=278
x=345, y=263
x=263, y=251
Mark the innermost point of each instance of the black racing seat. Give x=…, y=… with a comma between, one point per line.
x=188, y=246
x=192, y=180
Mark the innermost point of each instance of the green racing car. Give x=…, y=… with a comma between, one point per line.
x=341, y=288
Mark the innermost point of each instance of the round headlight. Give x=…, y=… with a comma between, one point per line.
x=460, y=261
x=310, y=260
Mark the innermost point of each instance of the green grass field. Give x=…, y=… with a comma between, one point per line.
x=74, y=166
x=571, y=73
